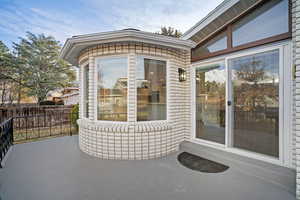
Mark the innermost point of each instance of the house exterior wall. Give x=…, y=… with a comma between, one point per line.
x=296, y=90
x=131, y=139
x=71, y=99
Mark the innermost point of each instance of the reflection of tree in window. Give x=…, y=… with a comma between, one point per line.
x=210, y=103
x=255, y=88
x=255, y=82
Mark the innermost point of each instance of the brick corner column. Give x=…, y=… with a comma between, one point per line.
x=131, y=109
x=92, y=99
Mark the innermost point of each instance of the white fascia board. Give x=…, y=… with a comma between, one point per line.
x=84, y=41
x=223, y=7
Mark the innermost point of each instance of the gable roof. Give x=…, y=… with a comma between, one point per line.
x=227, y=11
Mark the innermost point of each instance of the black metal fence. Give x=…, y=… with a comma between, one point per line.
x=7, y=112
x=33, y=122
x=49, y=124
x=6, y=137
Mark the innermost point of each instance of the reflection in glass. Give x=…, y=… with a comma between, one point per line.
x=112, y=89
x=216, y=44
x=86, y=90
x=255, y=84
x=151, y=89
x=210, y=103
x=268, y=20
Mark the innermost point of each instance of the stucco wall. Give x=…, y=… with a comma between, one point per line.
x=136, y=140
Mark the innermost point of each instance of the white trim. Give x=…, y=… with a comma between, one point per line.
x=159, y=58
x=288, y=103
x=193, y=101
x=81, y=92
x=229, y=119
x=209, y=143
x=73, y=46
x=240, y=152
x=121, y=55
x=252, y=52
x=281, y=105
x=245, y=51
x=285, y=105
x=194, y=109
x=82, y=86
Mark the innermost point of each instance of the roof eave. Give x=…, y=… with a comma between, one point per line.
x=121, y=36
x=220, y=9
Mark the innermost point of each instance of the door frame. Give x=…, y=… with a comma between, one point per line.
x=285, y=104
x=193, y=74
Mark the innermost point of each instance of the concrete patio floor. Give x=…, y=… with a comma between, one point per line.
x=56, y=169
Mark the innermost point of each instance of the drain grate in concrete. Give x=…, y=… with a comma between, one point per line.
x=200, y=164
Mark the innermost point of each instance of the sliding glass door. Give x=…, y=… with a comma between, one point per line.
x=237, y=102
x=255, y=102
x=210, y=102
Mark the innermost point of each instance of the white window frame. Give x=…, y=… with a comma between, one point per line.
x=285, y=104
x=96, y=88
x=167, y=85
x=193, y=84
x=85, y=109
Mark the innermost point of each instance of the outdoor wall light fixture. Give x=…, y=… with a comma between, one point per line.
x=181, y=74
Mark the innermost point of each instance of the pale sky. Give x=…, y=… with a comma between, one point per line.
x=65, y=18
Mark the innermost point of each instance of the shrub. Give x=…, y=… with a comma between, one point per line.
x=75, y=115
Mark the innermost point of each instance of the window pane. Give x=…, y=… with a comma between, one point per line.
x=86, y=90
x=255, y=84
x=216, y=44
x=151, y=89
x=210, y=102
x=269, y=20
x=112, y=89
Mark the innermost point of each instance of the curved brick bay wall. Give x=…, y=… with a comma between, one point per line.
x=133, y=140
x=130, y=142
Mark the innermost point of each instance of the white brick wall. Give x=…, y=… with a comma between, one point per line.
x=137, y=140
x=296, y=90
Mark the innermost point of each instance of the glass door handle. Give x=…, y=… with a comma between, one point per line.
x=229, y=103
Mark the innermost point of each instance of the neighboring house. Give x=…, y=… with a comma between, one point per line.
x=70, y=99
x=70, y=95
x=230, y=82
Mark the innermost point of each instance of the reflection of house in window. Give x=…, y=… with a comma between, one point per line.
x=112, y=89
x=112, y=101
x=151, y=90
x=154, y=97
x=155, y=73
x=121, y=83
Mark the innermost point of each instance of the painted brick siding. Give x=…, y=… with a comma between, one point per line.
x=131, y=139
x=296, y=90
